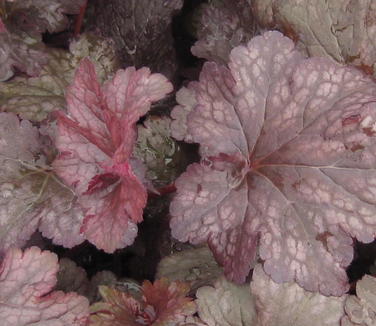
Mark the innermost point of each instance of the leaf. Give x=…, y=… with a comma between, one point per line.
x=196, y=267
x=221, y=26
x=141, y=30
x=289, y=305
x=159, y=152
x=360, y=309
x=96, y=142
x=27, y=279
x=100, y=278
x=162, y=304
x=72, y=278
x=35, y=200
x=226, y=304
x=19, y=52
x=19, y=142
x=31, y=196
x=186, y=102
x=34, y=98
x=39, y=16
x=61, y=216
x=288, y=165
x=344, y=31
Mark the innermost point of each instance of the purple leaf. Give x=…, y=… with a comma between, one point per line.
x=288, y=163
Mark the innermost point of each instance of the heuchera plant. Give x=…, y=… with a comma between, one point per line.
x=285, y=184
x=95, y=140
x=288, y=164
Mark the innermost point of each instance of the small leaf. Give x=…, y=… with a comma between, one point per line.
x=226, y=304
x=197, y=267
x=159, y=152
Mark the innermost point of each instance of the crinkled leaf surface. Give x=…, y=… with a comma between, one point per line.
x=289, y=305
x=159, y=152
x=31, y=196
x=221, y=26
x=186, y=102
x=361, y=309
x=16, y=51
x=141, y=30
x=344, y=30
x=288, y=147
x=226, y=304
x=26, y=281
x=33, y=98
x=96, y=141
x=60, y=216
x=19, y=142
x=162, y=304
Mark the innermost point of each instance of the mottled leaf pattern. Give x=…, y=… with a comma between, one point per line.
x=288, y=163
x=289, y=305
x=27, y=279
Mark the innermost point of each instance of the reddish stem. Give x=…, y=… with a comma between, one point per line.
x=80, y=19
x=164, y=190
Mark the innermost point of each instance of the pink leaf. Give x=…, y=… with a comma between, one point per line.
x=289, y=158
x=96, y=141
x=26, y=281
